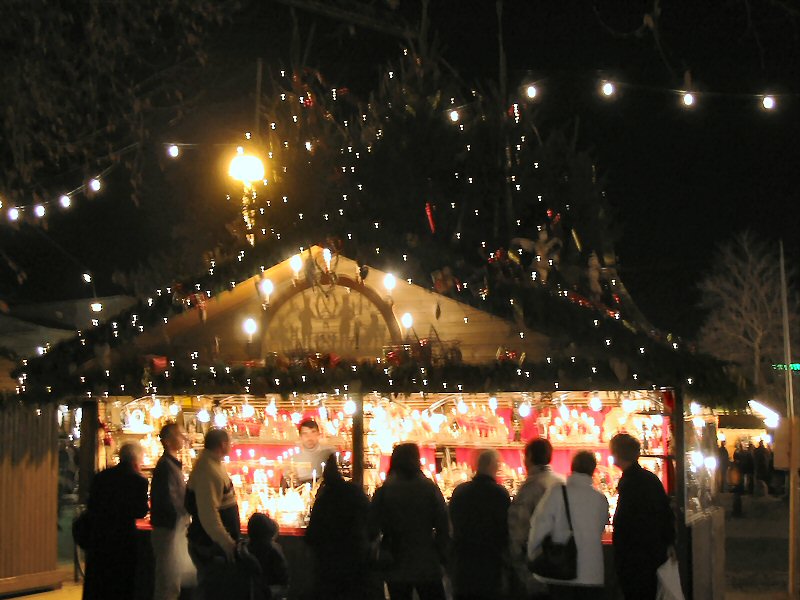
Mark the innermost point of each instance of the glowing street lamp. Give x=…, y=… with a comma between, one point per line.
x=246, y=168
x=608, y=89
x=389, y=282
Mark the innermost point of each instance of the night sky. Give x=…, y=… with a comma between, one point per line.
x=680, y=180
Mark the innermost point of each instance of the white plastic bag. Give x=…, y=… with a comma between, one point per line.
x=669, y=581
x=183, y=562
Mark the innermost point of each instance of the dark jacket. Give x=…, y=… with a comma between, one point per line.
x=479, y=514
x=337, y=531
x=271, y=568
x=412, y=515
x=117, y=497
x=167, y=492
x=644, y=525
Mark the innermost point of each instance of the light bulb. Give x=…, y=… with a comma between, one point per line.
x=203, y=416
x=524, y=410
x=389, y=282
x=326, y=256
x=173, y=151
x=13, y=213
x=174, y=409
x=296, y=263
x=407, y=320
x=608, y=88
x=96, y=306
x=768, y=102
x=267, y=287
x=250, y=326
x=220, y=420
x=38, y=210
x=595, y=403
x=350, y=407
x=454, y=116
x=530, y=91
x=65, y=201
x=156, y=412
x=95, y=185
x=248, y=411
x=688, y=99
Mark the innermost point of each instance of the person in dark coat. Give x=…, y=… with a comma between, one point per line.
x=644, y=525
x=723, y=462
x=337, y=534
x=761, y=462
x=409, y=511
x=479, y=514
x=117, y=497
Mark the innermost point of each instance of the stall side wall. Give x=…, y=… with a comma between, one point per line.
x=28, y=498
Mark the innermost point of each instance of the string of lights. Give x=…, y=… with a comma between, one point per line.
x=36, y=212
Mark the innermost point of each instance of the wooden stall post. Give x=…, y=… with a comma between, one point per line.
x=682, y=542
x=87, y=454
x=358, y=440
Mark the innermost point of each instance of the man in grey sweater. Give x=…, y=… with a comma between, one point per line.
x=168, y=516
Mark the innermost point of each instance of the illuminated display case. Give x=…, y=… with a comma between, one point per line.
x=449, y=428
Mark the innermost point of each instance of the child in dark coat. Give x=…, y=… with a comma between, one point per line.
x=262, y=533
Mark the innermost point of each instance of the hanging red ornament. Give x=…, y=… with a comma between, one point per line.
x=429, y=212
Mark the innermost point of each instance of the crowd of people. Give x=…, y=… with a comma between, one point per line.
x=406, y=539
x=750, y=469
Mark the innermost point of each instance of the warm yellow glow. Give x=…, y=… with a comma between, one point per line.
x=454, y=116
x=531, y=91
x=174, y=151
x=407, y=320
x=246, y=167
x=250, y=326
x=389, y=282
x=608, y=88
x=768, y=102
x=688, y=99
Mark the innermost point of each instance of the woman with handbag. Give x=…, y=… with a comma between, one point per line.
x=565, y=542
x=409, y=517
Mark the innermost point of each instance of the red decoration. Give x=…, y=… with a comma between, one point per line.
x=429, y=212
x=159, y=364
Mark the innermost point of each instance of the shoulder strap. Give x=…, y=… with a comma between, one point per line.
x=566, y=506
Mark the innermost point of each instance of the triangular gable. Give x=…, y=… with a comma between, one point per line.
x=340, y=314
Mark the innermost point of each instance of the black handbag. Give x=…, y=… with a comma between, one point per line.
x=82, y=529
x=557, y=561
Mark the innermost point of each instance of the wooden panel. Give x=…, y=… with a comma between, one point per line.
x=28, y=496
